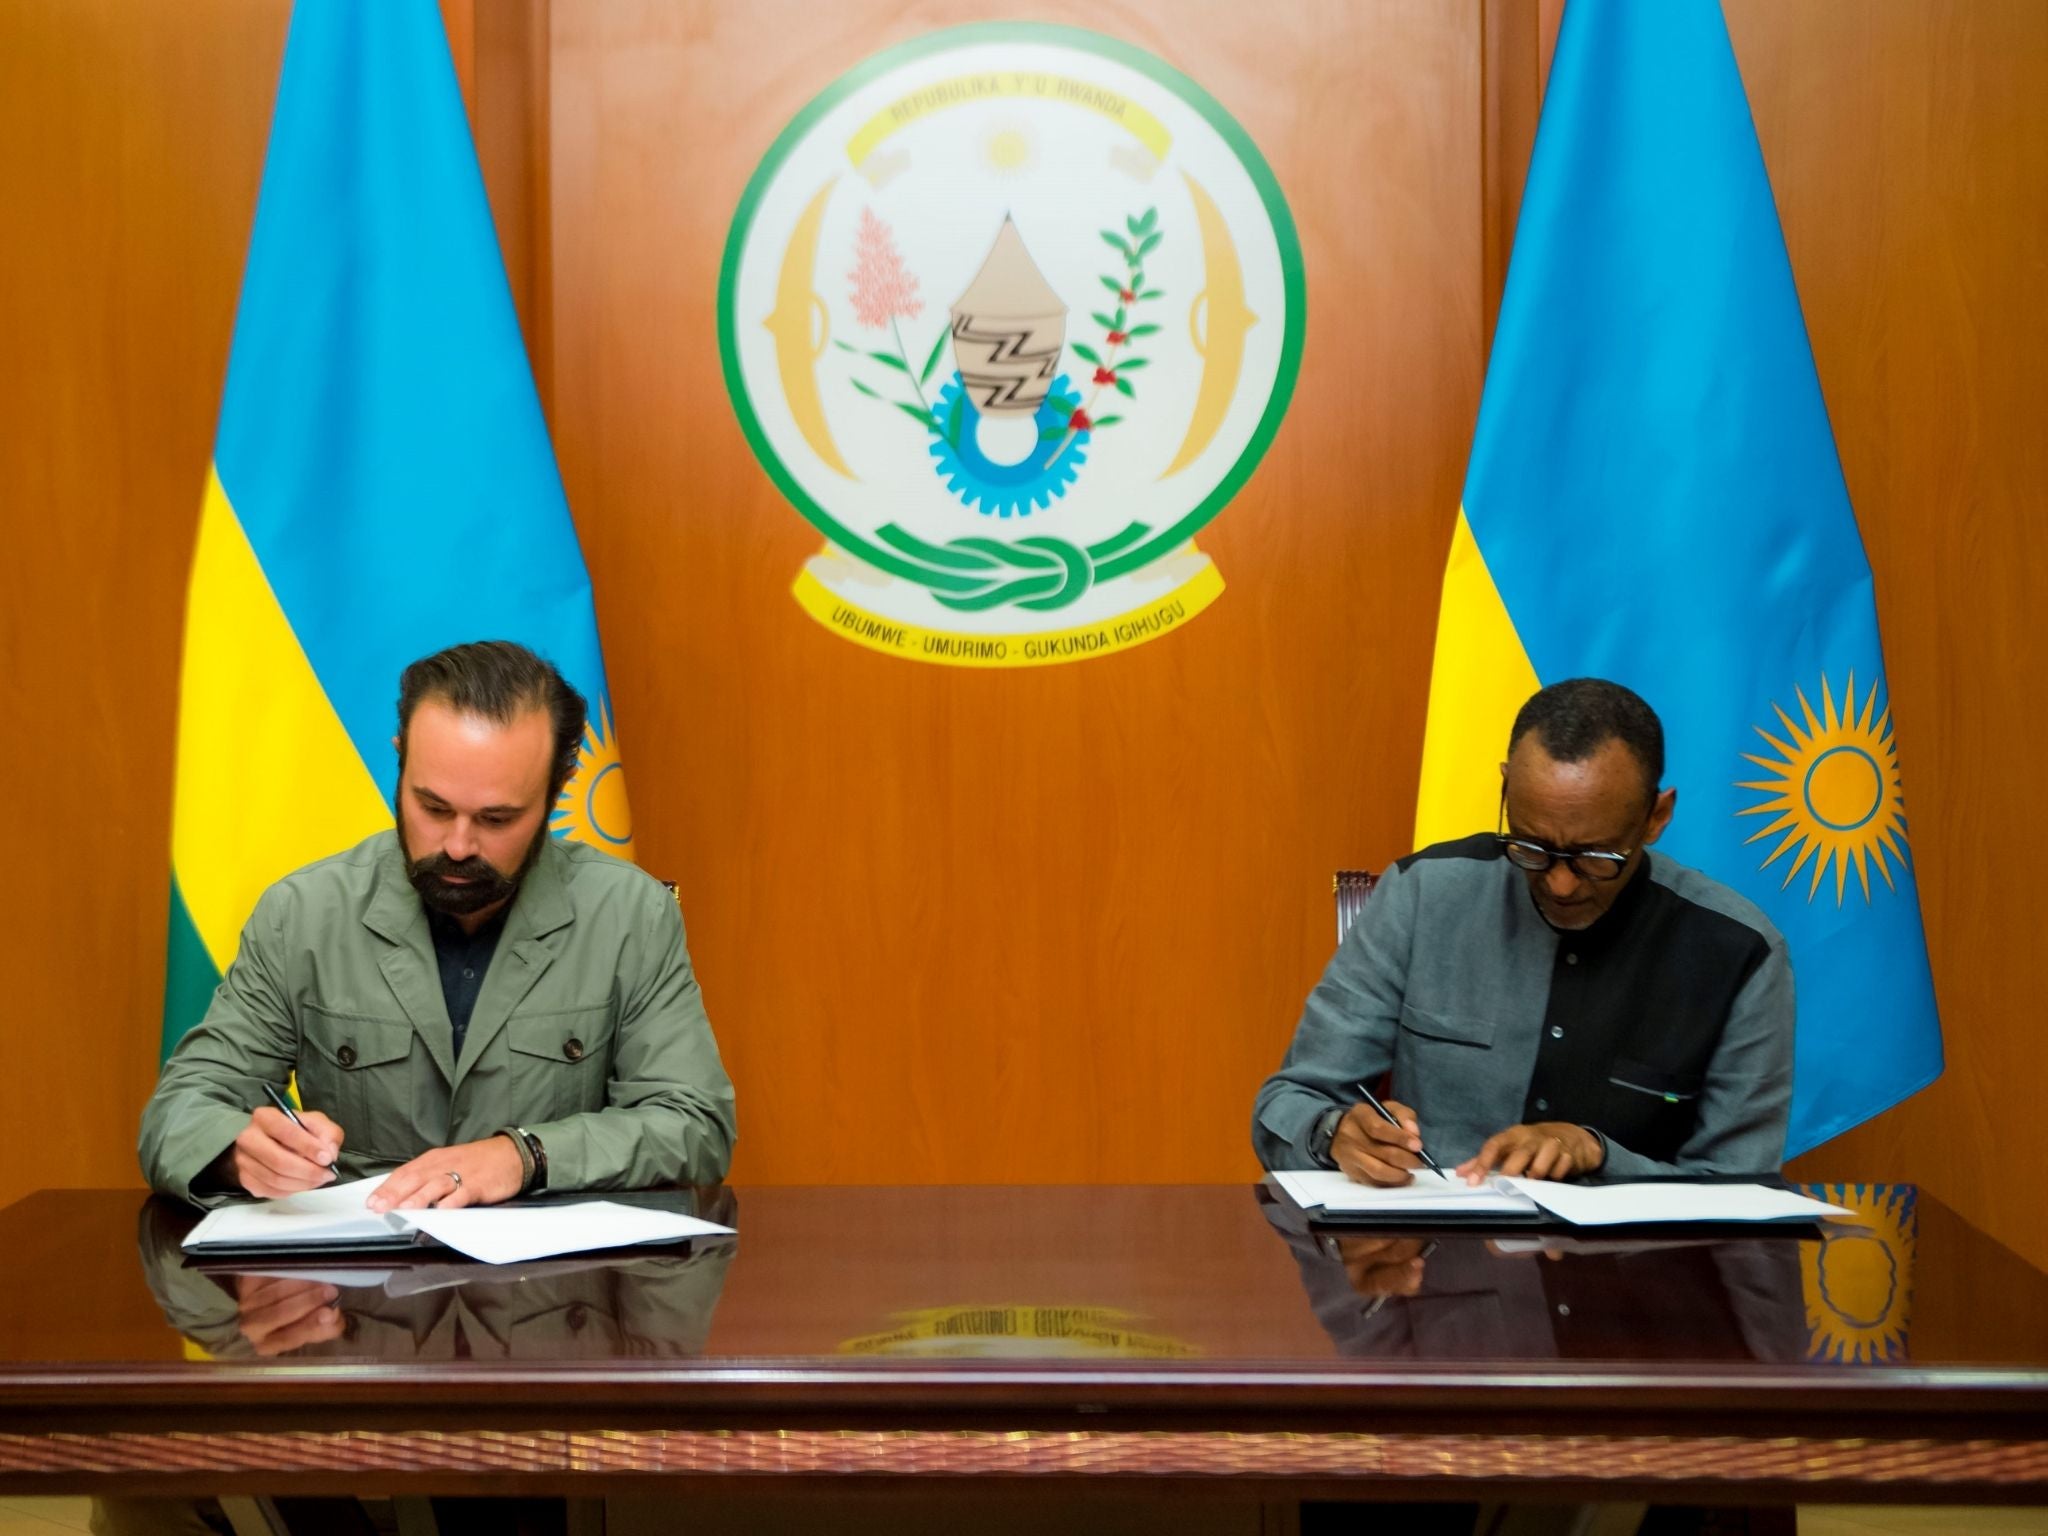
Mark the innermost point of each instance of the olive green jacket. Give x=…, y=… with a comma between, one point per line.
x=589, y=1031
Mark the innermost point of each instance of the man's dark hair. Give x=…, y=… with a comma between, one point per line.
x=1577, y=717
x=498, y=680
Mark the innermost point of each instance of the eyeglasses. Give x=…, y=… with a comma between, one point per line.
x=1535, y=857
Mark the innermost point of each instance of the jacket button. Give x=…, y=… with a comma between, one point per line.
x=346, y=1055
x=573, y=1048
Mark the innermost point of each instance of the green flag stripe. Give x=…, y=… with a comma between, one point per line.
x=189, y=975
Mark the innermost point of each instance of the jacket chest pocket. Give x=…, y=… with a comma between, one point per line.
x=1439, y=1054
x=1423, y=1029
x=561, y=1062
x=359, y=1073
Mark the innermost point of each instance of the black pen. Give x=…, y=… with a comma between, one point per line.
x=1387, y=1115
x=285, y=1104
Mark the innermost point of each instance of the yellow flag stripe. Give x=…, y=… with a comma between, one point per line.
x=1480, y=677
x=267, y=778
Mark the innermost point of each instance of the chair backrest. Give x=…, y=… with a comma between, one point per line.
x=1351, y=887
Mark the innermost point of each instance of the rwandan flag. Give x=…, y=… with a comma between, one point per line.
x=1654, y=497
x=382, y=486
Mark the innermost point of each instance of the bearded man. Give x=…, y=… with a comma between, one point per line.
x=468, y=1004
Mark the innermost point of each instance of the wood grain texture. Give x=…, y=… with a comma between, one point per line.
x=1049, y=925
x=134, y=143
x=1909, y=153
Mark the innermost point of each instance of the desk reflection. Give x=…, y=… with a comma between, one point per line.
x=432, y=1307
x=1456, y=1295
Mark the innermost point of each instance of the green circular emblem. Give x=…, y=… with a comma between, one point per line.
x=1009, y=313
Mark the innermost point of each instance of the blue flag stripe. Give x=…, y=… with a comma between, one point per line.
x=380, y=435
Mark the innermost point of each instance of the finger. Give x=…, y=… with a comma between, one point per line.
x=1408, y=1118
x=297, y=1139
x=1387, y=1279
x=1485, y=1159
x=314, y=1328
x=1363, y=1250
x=254, y=1179
x=1372, y=1162
x=1365, y=1169
x=1379, y=1131
x=253, y=1290
x=398, y=1186
x=433, y=1190
x=1551, y=1160
x=275, y=1167
x=1514, y=1160
x=282, y=1311
x=324, y=1130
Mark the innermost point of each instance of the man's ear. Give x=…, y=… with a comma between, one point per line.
x=1661, y=810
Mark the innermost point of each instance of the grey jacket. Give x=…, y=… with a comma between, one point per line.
x=1666, y=1027
x=590, y=1029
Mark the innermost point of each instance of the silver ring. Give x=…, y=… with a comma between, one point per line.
x=456, y=1177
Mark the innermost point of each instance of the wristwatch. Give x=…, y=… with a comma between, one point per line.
x=1322, y=1133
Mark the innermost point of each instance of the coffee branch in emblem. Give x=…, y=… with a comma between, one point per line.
x=885, y=294
x=1119, y=329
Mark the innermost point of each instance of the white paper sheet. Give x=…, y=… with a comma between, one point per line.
x=309, y=1219
x=495, y=1234
x=1322, y=1189
x=1606, y=1205
x=500, y=1234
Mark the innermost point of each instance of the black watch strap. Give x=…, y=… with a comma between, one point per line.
x=1322, y=1133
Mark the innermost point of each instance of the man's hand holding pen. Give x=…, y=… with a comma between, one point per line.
x=1372, y=1149
x=281, y=1154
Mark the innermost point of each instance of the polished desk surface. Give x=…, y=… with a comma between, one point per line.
x=1209, y=1310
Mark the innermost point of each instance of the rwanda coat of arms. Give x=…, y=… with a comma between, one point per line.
x=1009, y=313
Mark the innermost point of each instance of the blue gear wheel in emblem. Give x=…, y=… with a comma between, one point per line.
x=1006, y=490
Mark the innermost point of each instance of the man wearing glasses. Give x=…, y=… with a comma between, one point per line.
x=1551, y=999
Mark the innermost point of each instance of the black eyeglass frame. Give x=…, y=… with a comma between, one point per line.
x=1605, y=864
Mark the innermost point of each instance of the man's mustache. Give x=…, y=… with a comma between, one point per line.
x=440, y=865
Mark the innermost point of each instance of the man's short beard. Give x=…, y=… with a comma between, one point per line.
x=485, y=885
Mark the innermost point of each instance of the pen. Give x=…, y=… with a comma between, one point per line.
x=1387, y=1115
x=285, y=1104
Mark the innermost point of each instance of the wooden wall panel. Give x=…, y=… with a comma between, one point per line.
x=1909, y=153
x=133, y=146
x=1048, y=925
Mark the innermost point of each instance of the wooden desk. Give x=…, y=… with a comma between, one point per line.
x=1177, y=1338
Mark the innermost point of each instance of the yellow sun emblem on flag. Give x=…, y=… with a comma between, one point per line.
x=1834, y=792
x=592, y=808
x=1858, y=1280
